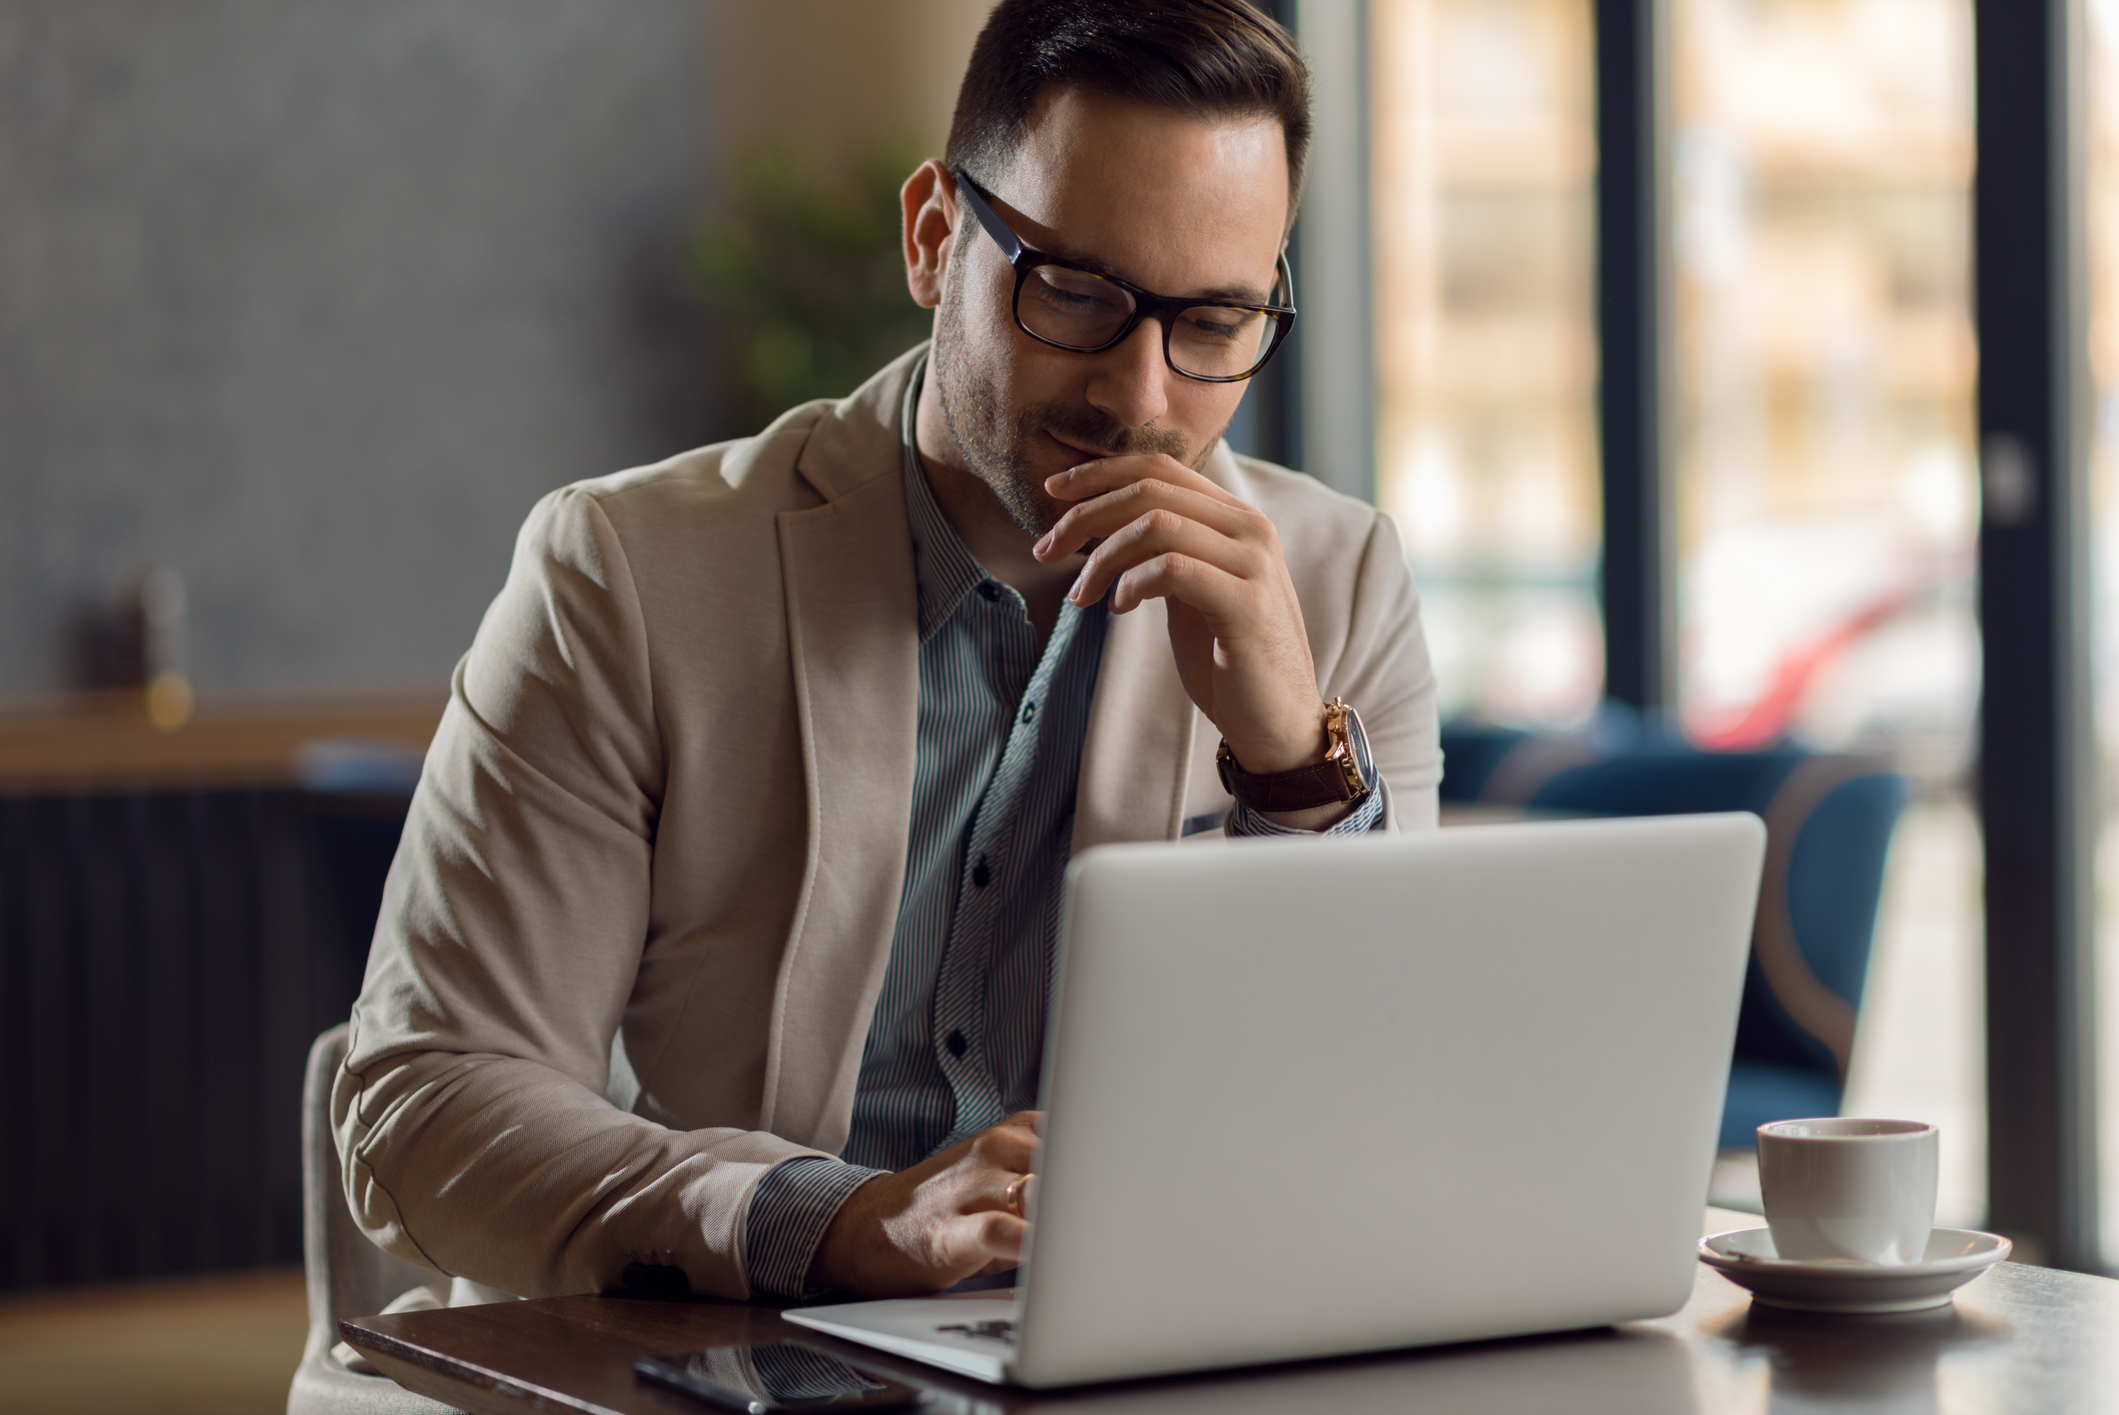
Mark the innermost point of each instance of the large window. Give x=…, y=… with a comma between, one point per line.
x=1826, y=494
x=1823, y=154
x=1824, y=372
x=1484, y=182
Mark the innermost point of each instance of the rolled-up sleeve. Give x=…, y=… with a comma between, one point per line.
x=1365, y=817
x=788, y=1214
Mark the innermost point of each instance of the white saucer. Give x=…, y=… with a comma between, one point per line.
x=1954, y=1257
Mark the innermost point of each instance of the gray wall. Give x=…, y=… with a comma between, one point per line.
x=309, y=301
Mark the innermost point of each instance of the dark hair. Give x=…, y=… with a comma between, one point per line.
x=1206, y=58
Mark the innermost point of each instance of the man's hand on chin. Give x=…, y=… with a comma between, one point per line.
x=929, y=1227
x=1156, y=529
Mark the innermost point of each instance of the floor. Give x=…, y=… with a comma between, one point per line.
x=224, y=1345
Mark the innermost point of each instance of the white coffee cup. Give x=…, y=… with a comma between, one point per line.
x=1847, y=1188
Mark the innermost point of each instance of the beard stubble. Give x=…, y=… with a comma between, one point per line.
x=995, y=440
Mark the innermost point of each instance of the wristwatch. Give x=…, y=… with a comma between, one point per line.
x=1347, y=772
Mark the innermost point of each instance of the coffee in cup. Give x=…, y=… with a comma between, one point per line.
x=1845, y=1188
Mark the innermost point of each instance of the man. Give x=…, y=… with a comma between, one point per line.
x=761, y=776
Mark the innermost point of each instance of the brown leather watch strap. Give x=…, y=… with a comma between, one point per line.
x=1345, y=774
x=1318, y=784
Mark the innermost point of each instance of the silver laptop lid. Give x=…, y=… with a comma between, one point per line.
x=1307, y=1097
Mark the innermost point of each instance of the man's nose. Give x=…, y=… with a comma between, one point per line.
x=1130, y=382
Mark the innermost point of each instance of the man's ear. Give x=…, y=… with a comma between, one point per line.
x=928, y=199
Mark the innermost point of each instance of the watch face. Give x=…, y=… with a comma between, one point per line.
x=1357, y=739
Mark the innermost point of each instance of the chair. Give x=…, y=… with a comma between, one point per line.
x=1828, y=819
x=348, y=1275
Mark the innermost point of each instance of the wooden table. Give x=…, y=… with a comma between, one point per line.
x=2019, y=1339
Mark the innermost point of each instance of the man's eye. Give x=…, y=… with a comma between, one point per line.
x=1073, y=301
x=1216, y=325
x=1076, y=292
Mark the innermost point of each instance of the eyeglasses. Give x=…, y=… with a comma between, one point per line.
x=1069, y=307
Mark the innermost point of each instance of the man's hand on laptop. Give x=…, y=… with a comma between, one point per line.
x=931, y=1226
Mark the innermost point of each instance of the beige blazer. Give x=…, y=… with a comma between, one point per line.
x=662, y=830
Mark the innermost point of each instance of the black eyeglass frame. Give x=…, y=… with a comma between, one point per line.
x=1023, y=259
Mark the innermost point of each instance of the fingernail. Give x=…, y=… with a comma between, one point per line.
x=1074, y=591
x=1044, y=543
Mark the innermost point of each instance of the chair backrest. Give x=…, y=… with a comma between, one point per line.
x=1471, y=751
x=1828, y=821
x=1485, y=765
x=348, y=1276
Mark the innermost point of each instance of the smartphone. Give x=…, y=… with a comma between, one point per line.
x=779, y=1376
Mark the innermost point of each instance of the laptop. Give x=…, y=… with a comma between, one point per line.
x=1309, y=1098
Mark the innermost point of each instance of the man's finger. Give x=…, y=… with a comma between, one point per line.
x=1207, y=588
x=1155, y=537
x=1080, y=526
x=1006, y=1148
x=966, y=1243
x=1017, y=1191
x=1105, y=474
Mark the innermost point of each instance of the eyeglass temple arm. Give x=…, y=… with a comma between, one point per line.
x=988, y=218
x=1012, y=247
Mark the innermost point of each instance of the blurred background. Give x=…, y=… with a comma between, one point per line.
x=302, y=306
x=1821, y=458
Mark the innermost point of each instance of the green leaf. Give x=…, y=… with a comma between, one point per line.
x=810, y=277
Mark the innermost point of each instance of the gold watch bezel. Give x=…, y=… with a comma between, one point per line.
x=1341, y=749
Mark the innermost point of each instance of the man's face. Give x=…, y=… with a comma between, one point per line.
x=1166, y=202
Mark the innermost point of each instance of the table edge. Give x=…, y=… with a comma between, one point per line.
x=455, y=1376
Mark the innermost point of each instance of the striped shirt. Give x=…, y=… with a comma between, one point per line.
x=958, y=1031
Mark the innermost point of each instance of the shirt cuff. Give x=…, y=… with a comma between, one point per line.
x=1363, y=818
x=789, y=1211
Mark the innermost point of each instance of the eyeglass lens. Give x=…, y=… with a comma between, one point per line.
x=1079, y=310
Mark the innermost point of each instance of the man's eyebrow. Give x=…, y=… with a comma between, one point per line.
x=1229, y=294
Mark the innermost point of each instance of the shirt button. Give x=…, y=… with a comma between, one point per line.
x=1029, y=711
x=957, y=1044
x=980, y=875
x=988, y=591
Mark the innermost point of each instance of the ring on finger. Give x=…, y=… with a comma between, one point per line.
x=1014, y=1197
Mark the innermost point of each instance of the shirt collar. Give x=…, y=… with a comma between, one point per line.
x=945, y=568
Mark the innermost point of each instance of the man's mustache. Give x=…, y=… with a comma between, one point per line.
x=1098, y=431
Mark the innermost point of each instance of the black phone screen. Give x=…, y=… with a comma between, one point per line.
x=777, y=1376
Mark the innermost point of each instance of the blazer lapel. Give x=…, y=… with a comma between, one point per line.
x=854, y=631
x=1141, y=729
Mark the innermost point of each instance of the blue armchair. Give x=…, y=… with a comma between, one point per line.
x=1828, y=821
